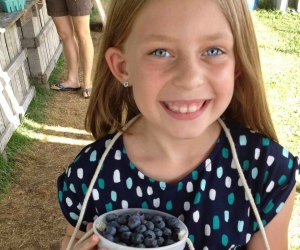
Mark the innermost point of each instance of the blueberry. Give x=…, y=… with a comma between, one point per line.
x=150, y=242
x=150, y=225
x=141, y=245
x=114, y=224
x=137, y=238
x=141, y=229
x=158, y=232
x=160, y=241
x=123, y=228
x=125, y=236
x=134, y=221
x=110, y=230
x=167, y=231
x=169, y=242
x=111, y=217
x=123, y=219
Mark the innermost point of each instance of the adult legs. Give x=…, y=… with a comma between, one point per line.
x=65, y=30
x=86, y=48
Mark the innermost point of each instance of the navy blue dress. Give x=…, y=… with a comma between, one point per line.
x=210, y=200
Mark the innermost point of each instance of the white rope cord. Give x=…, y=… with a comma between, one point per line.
x=92, y=183
x=188, y=241
x=246, y=187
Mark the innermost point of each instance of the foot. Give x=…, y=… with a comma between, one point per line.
x=64, y=87
x=86, y=93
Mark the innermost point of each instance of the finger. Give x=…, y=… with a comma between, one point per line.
x=89, y=226
x=89, y=243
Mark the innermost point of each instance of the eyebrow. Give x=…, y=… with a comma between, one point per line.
x=209, y=37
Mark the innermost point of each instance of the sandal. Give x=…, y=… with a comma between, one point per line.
x=61, y=87
x=86, y=93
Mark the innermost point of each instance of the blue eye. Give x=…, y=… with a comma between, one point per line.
x=161, y=53
x=213, y=52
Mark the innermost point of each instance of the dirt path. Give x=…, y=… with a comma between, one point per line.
x=30, y=217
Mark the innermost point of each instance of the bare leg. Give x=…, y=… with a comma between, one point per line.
x=86, y=48
x=65, y=30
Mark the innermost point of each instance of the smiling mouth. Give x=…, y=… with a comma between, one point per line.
x=185, y=108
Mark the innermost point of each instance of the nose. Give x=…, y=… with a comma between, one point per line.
x=190, y=73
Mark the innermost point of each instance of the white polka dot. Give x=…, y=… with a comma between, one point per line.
x=189, y=187
x=226, y=215
x=124, y=204
x=69, y=202
x=196, y=216
x=80, y=173
x=139, y=191
x=79, y=206
x=107, y=142
x=141, y=175
x=228, y=182
x=205, y=248
x=186, y=206
x=212, y=194
x=270, y=160
x=118, y=155
x=207, y=230
x=87, y=149
x=95, y=217
x=248, y=237
x=270, y=187
x=208, y=165
x=156, y=203
x=95, y=194
x=149, y=191
x=117, y=177
x=69, y=172
x=249, y=210
x=257, y=153
x=240, y=183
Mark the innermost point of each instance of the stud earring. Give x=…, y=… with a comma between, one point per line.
x=126, y=84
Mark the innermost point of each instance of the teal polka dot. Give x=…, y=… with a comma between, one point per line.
x=65, y=188
x=203, y=184
x=124, y=151
x=72, y=188
x=73, y=216
x=224, y=240
x=226, y=215
x=60, y=196
x=257, y=199
x=225, y=153
x=77, y=159
x=113, y=196
x=216, y=222
x=231, y=198
x=255, y=226
x=266, y=176
x=169, y=205
x=290, y=165
x=84, y=188
x=240, y=226
x=197, y=198
x=101, y=183
x=219, y=172
x=246, y=165
x=145, y=205
x=264, y=222
x=243, y=140
x=254, y=173
x=266, y=142
x=93, y=156
x=131, y=165
x=108, y=207
x=129, y=183
x=282, y=180
x=279, y=207
x=285, y=153
x=151, y=180
x=162, y=185
x=195, y=175
x=192, y=238
x=179, y=186
x=269, y=207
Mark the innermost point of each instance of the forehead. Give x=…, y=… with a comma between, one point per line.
x=181, y=18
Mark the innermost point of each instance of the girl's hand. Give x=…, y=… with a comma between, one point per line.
x=88, y=244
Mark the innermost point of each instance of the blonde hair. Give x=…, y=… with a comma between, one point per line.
x=111, y=105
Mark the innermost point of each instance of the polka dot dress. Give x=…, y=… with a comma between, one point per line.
x=210, y=200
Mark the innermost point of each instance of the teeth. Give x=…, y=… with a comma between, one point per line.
x=184, y=109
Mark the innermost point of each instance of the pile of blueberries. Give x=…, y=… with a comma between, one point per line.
x=141, y=230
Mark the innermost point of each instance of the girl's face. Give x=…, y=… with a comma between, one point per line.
x=179, y=59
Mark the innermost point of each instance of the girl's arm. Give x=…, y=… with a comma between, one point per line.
x=88, y=244
x=276, y=230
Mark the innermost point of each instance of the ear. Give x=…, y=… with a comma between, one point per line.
x=116, y=63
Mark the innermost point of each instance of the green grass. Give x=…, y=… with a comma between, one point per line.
x=20, y=139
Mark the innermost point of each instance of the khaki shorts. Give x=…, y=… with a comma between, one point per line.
x=69, y=7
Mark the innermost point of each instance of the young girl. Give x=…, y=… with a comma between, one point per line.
x=180, y=66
